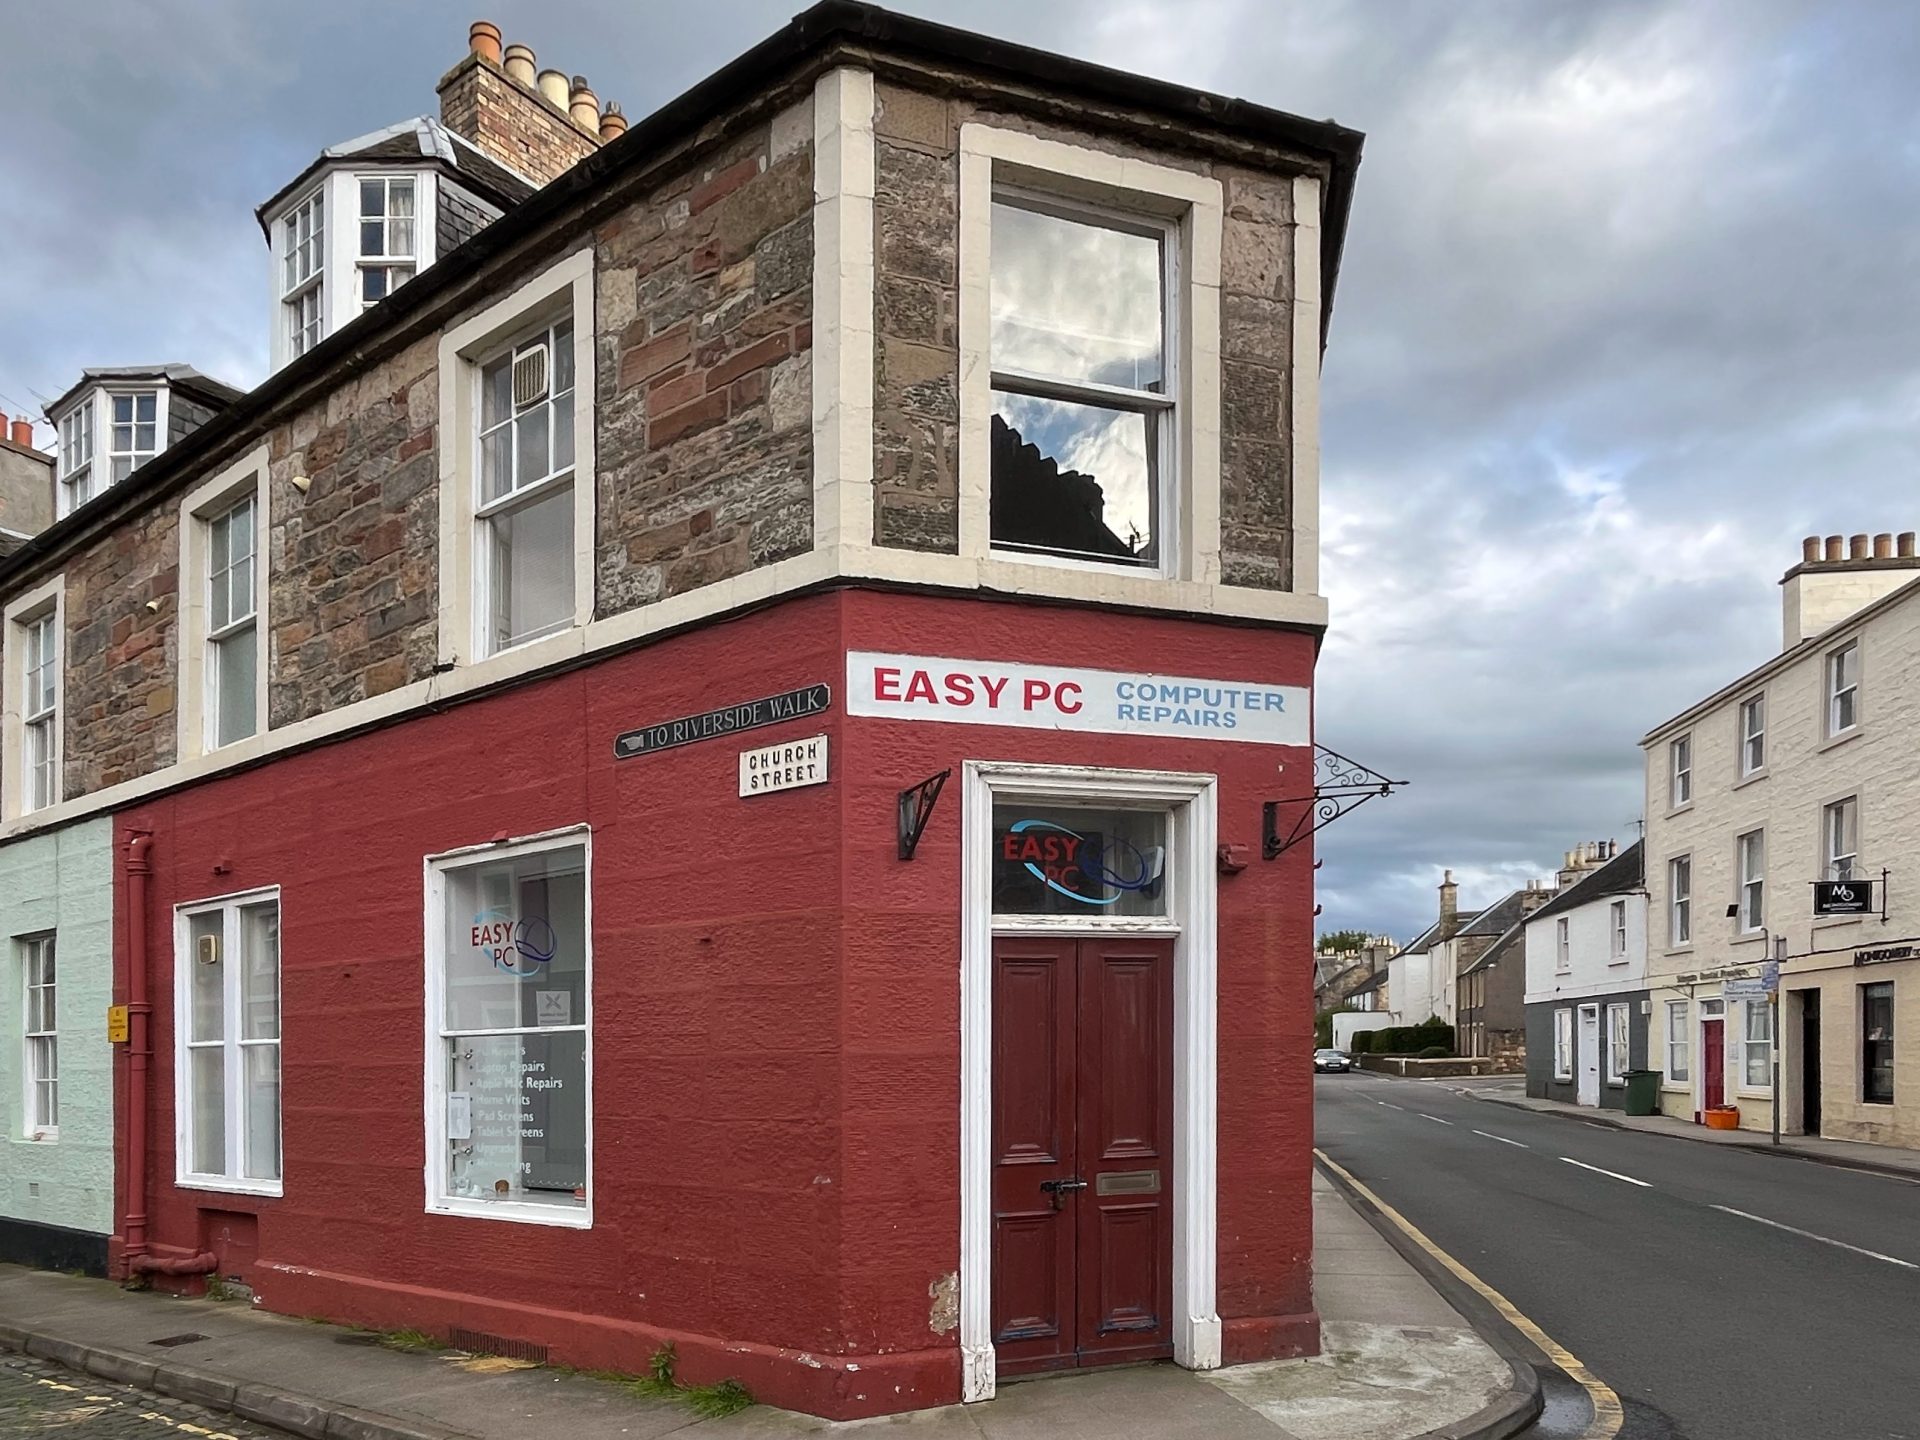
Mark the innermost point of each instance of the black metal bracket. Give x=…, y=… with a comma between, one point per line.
x=1340, y=786
x=916, y=808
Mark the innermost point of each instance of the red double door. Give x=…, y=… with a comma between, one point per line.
x=1082, y=1148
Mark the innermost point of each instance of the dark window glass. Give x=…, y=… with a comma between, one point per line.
x=1049, y=860
x=1876, y=1044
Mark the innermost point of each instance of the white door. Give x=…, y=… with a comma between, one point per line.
x=1588, y=1057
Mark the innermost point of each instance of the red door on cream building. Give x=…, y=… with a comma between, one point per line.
x=1082, y=1140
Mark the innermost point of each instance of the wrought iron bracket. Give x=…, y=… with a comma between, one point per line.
x=916, y=808
x=1340, y=786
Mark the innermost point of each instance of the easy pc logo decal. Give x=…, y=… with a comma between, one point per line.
x=1062, y=860
x=519, y=947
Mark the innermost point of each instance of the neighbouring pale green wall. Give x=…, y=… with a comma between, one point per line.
x=61, y=882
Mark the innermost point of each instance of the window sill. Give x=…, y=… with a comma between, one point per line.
x=1686, y=949
x=1835, y=922
x=1617, y=960
x=39, y=1137
x=1834, y=742
x=1748, y=779
x=516, y=1212
x=1567, y=1078
x=1676, y=1087
x=219, y=1184
x=1748, y=937
x=1673, y=810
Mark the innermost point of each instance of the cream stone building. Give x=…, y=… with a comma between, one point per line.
x=1801, y=771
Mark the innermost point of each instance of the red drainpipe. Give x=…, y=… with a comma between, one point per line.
x=139, y=1074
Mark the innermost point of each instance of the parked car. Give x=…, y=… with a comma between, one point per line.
x=1331, y=1062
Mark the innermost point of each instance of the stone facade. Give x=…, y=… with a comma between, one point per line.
x=26, y=489
x=916, y=347
x=354, y=605
x=705, y=294
x=517, y=126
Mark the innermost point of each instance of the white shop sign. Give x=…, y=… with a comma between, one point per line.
x=1060, y=697
x=786, y=766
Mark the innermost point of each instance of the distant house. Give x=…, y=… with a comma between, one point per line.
x=1352, y=978
x=26, y=486
x=1586, y=986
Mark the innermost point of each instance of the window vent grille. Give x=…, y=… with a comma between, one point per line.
x=481, y=1343
x=209, y=953
x=530, y=376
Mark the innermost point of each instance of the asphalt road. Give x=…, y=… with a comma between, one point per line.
x=1710, y=1324
x=41, y=1399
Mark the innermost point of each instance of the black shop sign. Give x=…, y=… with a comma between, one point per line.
x=727, y=720
x=1843, y=897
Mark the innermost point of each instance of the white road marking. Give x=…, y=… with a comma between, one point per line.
x=1434, y=1118
x=1824, y=1240
x=1501, y=1138
x=1391, y=1106
x=1610, y=1174
x=1593, y=1126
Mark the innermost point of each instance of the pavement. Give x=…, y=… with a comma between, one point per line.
x=1721, y=1294
x=1398, y=1362
x=1852, y=1154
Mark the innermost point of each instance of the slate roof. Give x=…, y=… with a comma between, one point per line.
x=1367, y=986
x=1430, y=937
x=1498, y=950
x=1625, y=873
x=409, y=143
x=1496, y=918
x=216, y=393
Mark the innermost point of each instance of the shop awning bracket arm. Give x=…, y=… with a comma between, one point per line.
x=1340, y=786
x=916, y=808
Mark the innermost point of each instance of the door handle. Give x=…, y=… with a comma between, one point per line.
x=1057, y=1188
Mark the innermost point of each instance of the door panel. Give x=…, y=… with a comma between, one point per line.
x=1713, y=1060
x=1810, y=1061
x=1035, y=987
x=1126, y=1130
x=1082, y=1091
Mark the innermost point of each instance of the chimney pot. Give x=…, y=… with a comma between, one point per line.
x=553, y=85
x=23, y=433
x=1836, y=548
x=1857, y=547
x=1905, y=542
x=612, y=123
x=519, y=64
x=584, y=106
x=1883, y=546
x=483, y=39
x=1810, y=550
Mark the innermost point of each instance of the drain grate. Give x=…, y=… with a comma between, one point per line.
x=173, y=1340
x=481, y=1343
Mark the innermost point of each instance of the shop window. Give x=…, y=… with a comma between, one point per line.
x=1563, y=1044
x=1083, y=414
x=1876, y=1043
x=1757, y=1045
x=41, y=1048
x=1053, y=860
x=509, y=998
x=1618, y=1044
x=227, y=954
x=1677, y=1040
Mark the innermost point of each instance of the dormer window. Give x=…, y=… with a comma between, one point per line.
x=303, y=261
x=135, y=437
x=76, y=457
x=387, y=255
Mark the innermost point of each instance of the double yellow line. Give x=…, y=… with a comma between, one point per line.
x=1608, y=1417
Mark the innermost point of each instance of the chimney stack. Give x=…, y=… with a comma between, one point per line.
x=1449, y=906
x=532, y=121
x=1838, y=576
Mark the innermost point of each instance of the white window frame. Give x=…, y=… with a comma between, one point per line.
x=1680, y=902
x=1563, y=1044
x=1617, y=930
x=301, y=290
x=1618, y=1044
x=1750, y=879
x=563, y=288
x=231, y=1042
x=135, y=456
x=1841, y=690
x=1679, y=1044
x=1562, y=946
x=1748, y=1046
x=40, y=1049
x=198, y=707
x=1092, y=184
x=1753, y=735
x=16, y=788
x=1680, y=772
x=1840, y=839
x=74, y=449
x=385, y=260
x=437, y=867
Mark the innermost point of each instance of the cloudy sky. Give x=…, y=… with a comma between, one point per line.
x=1630, y=304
